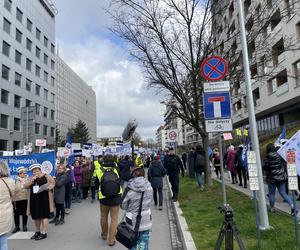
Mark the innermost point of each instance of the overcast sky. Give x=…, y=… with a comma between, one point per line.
x=101, y=59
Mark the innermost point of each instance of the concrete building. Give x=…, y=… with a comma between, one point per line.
x=273, y=34
x=27, y=61
x=161, y=138
x=109, y=141
x=75, y=100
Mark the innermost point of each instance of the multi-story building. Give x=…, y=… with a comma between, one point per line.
x=160, y=138
x=273, y=35
x=109, y=141
x=27, y=61
x=75, y=100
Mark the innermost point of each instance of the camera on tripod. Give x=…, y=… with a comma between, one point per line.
x=228, y=212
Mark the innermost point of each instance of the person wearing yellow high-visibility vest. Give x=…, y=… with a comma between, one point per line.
x=138, y=161
x=110, y=192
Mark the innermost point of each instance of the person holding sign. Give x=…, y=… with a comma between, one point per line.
x=40, y=200
x=276, y=176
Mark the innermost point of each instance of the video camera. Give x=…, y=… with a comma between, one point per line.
x=228, y=212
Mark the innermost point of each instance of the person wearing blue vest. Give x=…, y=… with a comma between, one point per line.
x=110, y=192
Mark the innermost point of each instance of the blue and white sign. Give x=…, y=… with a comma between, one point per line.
x=217, y=105
x=47, y=161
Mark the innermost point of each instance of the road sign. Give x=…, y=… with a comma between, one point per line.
x=214, y=68
x=40, y=142
x=172, y=135
x=223, y=86
x=217, y=105
x=218, y=125
x=252, y=171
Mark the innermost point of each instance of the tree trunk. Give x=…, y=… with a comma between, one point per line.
x=208, y=180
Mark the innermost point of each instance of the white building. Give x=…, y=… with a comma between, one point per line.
x=273, y=34
x=75, y=100
x=27, y=61
x=161, y=138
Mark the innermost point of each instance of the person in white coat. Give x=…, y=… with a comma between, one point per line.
x=7, y=190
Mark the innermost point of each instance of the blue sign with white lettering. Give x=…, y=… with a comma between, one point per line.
x=217, y=105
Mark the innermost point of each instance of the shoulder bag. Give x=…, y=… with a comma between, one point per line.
x=126, y=236
x=10, y=193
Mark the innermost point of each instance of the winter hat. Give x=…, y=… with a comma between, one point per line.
x=36, y=165
x=21, y=170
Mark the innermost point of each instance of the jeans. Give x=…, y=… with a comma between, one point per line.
x=78, y=191
x=68, y=197
x=114, y=219
x=143, y=241
x=60, y=211
x=160, y=196
x=3, y=242
x=242, y=172
x=93, y=191
x=199, y=179
x=282, y=192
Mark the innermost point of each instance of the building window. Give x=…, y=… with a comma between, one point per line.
x=46, y=42
x=52, y=48
x=17, y=145
x=5, y=48
x=29, y=25
x=19, y=15
x=4, y=96
x=7, y=5
x=17, y=124
x=28, y=85
x=28, y=64
x=45, y=130
x=52, y=131
x=18, y=78
x=45, y=59
x=18, y=57
x=52, y=98
x=37, y=128
x=37, y=70
x=37, y=109
x=4, y=121
x=37, y=89
x=296, y=67
x=17, y=101
x=37, y=52
x=6, y=25
x=37, y=33
x=19, y=36
x=52, y=64
x=28, y=44
x=52, y=114
x=46, y=76
x=46, y=94
x=52, y=81
x=27, y=103
x=45, y=113
x=5, y=72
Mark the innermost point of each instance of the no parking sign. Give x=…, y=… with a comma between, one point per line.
x=172, y=135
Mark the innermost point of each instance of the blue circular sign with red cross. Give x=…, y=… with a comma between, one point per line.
x=214, y=68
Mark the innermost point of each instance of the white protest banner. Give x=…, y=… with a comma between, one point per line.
x=8, y=153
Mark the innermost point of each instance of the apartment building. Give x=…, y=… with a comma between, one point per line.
x=273, y=35
x=75, y=100
x=160, y=138
x=27, y=83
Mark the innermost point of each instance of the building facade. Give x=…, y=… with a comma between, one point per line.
x=27, y=84
x=75, y=100
x=273, y=35
x=109, y=141
x=160, y=138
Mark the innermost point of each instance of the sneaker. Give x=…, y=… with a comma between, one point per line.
x=41, y=237
x=33, y=237
x=25, y=229
x=292, y=211
x=160, y=208
x=61, y=221
x=67, y=210
x=272, y=210
x=16, y=229
x=93, y=200
x=54, y=221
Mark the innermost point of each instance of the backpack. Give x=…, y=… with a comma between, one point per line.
x=110, y=182
x=199, y=161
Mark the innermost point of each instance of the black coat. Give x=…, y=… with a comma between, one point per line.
x=199, y=162
x=124, y=167
x=156, y=173
x=60, y=188
x=173, y=165
x=274, y=167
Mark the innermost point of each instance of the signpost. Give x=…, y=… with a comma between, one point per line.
x=214, y=68
x=172, y=137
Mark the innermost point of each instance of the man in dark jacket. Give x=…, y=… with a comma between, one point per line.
x=173, y=165
x=239, y=166
x=125, y=166
x=184, y=159
x=199, y=165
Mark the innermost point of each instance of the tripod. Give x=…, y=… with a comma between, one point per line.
x=228, y=230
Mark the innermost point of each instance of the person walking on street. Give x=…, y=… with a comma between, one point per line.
x=199, y=165
x=110, y=192
x=240, y=168
x=59, y=195
x=138, y=188
x=230, y=163
x=216, y=162
x=7, y=191
x=184, y=160
x=156, y=174
x=77, y=170
x=20, y=200
x=173, y=165
x=276, y=176
x=69, y=187
x=40, y=203
x=125, y=166
x=86, y=180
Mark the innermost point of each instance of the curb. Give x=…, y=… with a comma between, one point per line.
x=184, y=232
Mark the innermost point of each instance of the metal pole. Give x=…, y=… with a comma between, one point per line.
x=27, y=125
x=222, y=170
x=257, y=220
x=264, y=220
x=295, y=217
